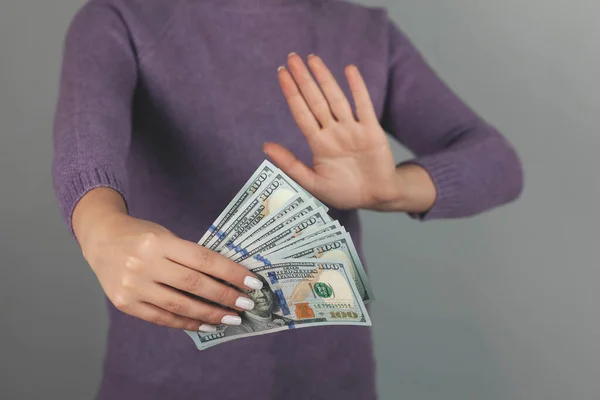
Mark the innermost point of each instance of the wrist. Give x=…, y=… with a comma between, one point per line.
x=412, y=191
x=96, y=214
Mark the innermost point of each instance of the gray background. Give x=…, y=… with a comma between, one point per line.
x=503, y=306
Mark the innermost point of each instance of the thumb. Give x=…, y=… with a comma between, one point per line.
x=290, y=165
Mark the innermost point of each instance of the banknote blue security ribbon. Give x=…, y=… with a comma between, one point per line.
x=263, y=260
x=282, y=302
x=273, y=277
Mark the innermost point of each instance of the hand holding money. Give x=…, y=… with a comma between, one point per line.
x=332, y=301
x=149, y=273
x=310, y=271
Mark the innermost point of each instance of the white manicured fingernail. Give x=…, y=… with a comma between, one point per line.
x=245, y=303
x=253, y=283
x=207, y=328
x=231, y=320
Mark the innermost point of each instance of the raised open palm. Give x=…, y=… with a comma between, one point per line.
x=353, y=165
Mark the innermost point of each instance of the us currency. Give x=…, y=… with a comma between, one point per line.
x=340, y=248
x=290, y=218
x=304, y=225
x=276, y=191
x=264, y=171
x=292, y=206
x=329, y=230
x=295, y=294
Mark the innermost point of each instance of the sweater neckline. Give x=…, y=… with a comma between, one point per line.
x=261, y=5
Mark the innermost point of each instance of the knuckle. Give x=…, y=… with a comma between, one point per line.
x=224, y=294
x=148, y=243
x=205, y=258
x=180, y=323
x=127, y=282
x=173, y=306
x=133, y=263
x=177, y=322
x=192, y=281
x=161, y=320
x=121, y=302
x=296, y=96
x=319, y=105
x=213, y=316
x=191, y=326
x=329, y=82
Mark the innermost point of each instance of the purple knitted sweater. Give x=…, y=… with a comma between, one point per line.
x=169, y=102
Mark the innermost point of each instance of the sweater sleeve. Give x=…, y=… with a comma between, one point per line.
x=472, y=165
x=92, y=125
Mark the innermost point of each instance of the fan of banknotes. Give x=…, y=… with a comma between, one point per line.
x=311, y=272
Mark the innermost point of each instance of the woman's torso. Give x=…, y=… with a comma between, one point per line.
x=206, y=101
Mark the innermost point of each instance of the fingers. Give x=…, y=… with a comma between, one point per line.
x=300, y=111
x=316, y=101
x=156, y=315
x=333, y=93
x=362, y=100
x=181, y=305
x=208, y=262
x=197, y=283
x=293, y=167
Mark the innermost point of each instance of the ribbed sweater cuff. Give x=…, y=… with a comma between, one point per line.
x=448, y=183
x=72, y=189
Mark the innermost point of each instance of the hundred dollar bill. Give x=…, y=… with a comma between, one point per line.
x=329, y=230
x=267, y=200
x=291, y=206
x=305, y=225
x=264, y=171
x=295, y=294
x=277, y=226
x=252, y=208
x=340, y=248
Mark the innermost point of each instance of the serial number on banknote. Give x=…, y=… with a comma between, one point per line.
x=340, y=305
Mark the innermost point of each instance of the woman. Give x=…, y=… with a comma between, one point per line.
x=164, y=107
